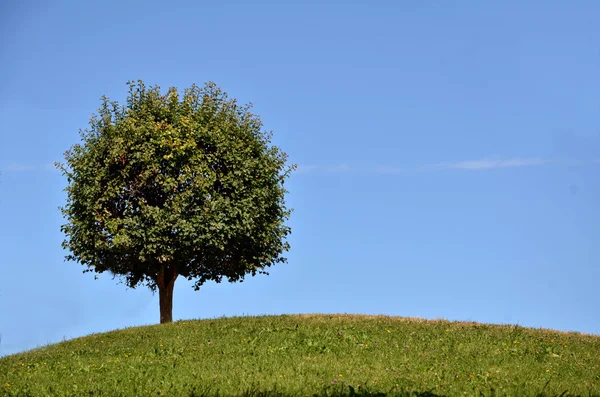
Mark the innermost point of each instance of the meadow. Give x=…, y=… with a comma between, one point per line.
x=311, y=355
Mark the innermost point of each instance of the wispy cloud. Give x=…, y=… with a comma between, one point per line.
x=19, y=167
x=388, y=170
x=338, y=168
x=334, y=168
x=466, y=165
x=23, y=167
x=303, y=169
x=486, y=164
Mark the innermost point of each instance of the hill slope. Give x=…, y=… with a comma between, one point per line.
x=310, y=354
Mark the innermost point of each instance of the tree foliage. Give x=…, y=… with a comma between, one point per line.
x=175, y=184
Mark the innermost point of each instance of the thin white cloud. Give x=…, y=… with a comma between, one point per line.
x=303, y=169
x=335, y=168
x=338, y=168
x=19, y=167
x=22, y=167
x=486, y=164
x=388, y=170
x=468, y=165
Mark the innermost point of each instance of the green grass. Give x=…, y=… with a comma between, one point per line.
x=311, y=355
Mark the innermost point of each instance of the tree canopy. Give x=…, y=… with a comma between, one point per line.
x=172, y=185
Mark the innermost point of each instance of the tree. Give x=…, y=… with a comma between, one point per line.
x=173, y=185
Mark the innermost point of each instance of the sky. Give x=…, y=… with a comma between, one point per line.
x=448, y=155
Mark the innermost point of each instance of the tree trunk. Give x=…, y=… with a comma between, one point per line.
x=165, y=282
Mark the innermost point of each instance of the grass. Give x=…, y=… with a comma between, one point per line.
x=323, y=355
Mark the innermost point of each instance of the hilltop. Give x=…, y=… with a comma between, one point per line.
x=308, y=355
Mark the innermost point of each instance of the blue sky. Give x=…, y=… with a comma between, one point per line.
x=448, y=154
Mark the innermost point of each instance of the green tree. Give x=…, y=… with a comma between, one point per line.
x=175, y=185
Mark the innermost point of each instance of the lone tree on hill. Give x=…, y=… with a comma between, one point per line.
x=175, y=185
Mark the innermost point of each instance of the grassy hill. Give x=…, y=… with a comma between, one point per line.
x=311, y=355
